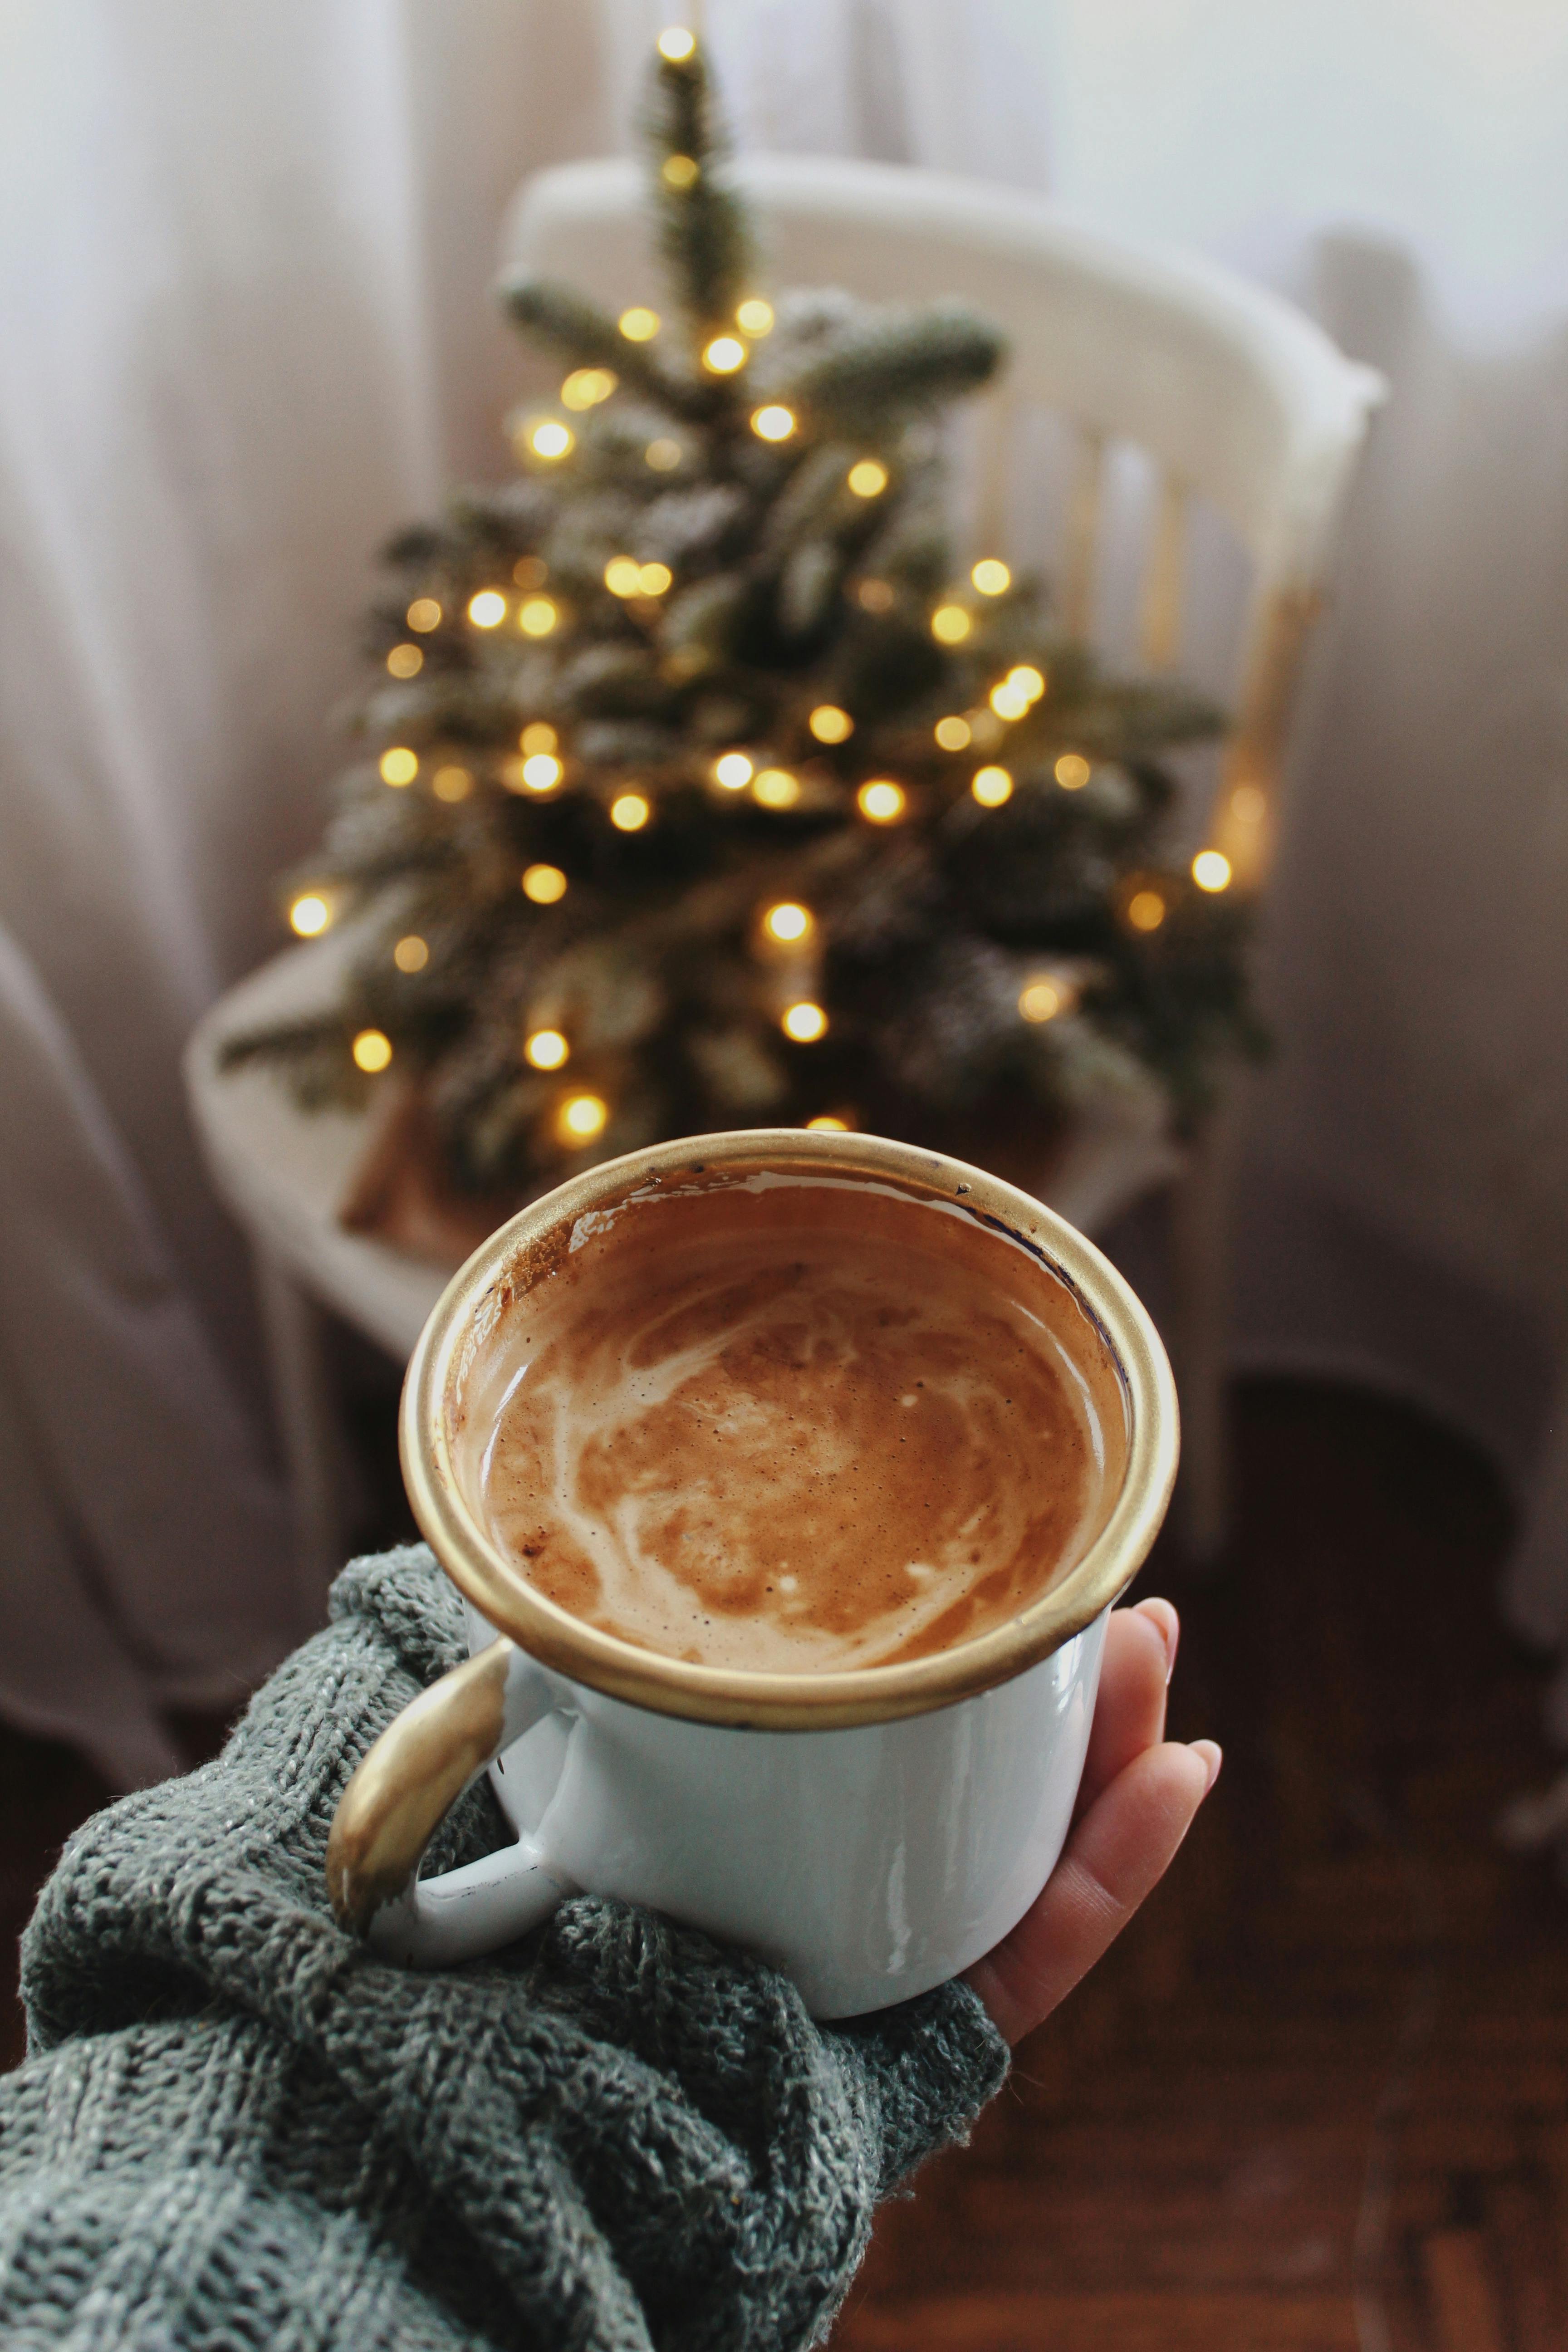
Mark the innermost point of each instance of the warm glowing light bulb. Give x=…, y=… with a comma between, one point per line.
x=831, y=724
x=372, y=1049
x=950, y=625
x=1073, y=772
x=827, y=1122
x=868, y=480
x=547, y=1049
x=663, y=455
x=680, y=170
x=952, y=733
x=550, y=438
x=724, y=354
x=1211, y=870
x=623, y=575
x=411, y=955
x=543, y=884
x=676, y=44
x=653, y=579
x=1007, y=700
x=786, y=922
x=1042, y=999
x=991, y=577
x=537, y=615
x=733, y=771
x=883, y=800
x=424, y=614
x=451, y=784
x=310, y=915
x=776, y=788
x=582, y=1117
x=773, y=423
x=586, y=387
x=805, y=1022
x=538, y=736
x=1029, y=682
x=992, y=786
x=487, y=609
x=754, y=317
x=406, y=661
x=629, y=812
x=400, y=765
x=542, y=772
x=1145, y=910
x=875, y=595
x=637, y=325
x=530, y=571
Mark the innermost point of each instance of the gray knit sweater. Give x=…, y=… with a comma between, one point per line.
x=239, y=2129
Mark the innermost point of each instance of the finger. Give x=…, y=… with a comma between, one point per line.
x=1116, y=1855
x=1130, y=1712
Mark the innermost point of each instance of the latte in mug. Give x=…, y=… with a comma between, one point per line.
x=793, y=1427
x=781, y=1654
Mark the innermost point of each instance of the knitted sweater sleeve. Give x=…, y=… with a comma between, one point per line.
x=237, y=2126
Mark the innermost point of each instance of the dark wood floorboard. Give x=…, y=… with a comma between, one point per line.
x=1317, y=2097
x=1316, y=2100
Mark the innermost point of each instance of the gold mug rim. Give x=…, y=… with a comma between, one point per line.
x=790, y=1702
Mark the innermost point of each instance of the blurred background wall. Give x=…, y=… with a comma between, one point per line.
x=244, y=264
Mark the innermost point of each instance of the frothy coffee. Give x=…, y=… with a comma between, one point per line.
x=791, y=1426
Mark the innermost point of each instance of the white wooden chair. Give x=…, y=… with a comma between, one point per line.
x=1237, y=402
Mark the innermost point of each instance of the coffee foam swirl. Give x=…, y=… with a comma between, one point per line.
x=789, y=1432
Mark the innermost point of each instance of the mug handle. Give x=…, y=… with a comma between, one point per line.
x=401, y=1791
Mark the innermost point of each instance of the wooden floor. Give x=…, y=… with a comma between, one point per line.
x=1318, y=2098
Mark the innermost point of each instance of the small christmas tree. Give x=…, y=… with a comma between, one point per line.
x=700, y=794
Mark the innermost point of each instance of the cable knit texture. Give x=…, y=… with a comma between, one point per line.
x=237, y=2127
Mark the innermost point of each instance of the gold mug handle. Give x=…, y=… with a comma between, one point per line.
x=401, y=1791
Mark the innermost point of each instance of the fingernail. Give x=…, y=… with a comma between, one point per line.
x=1213, y=1756
x=1162, y=1613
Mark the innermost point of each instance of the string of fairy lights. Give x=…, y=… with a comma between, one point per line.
x=786, y=930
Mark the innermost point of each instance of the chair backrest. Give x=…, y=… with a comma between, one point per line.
x=1236, y=398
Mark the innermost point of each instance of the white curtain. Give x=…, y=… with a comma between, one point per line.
x=244, y=264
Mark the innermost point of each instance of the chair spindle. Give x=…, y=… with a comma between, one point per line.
x=995, y=430
x=1083, y=534
x=1160, y=619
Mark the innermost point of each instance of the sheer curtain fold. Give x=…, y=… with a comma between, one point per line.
x=245, y=266
x=1421, y=961
x=144, y=1537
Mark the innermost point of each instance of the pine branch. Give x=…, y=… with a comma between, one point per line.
x=287, y=1040
x=565, y=321
x=808, y=588
x=894, y=362
x=704, y=232
x=813, y=495
x=314, y=1054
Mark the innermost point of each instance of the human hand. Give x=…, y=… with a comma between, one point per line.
x=1139, y=1797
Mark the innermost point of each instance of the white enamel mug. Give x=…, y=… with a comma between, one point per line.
x=870, y=1832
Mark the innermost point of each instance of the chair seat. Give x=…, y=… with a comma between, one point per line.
x=285, y=1173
